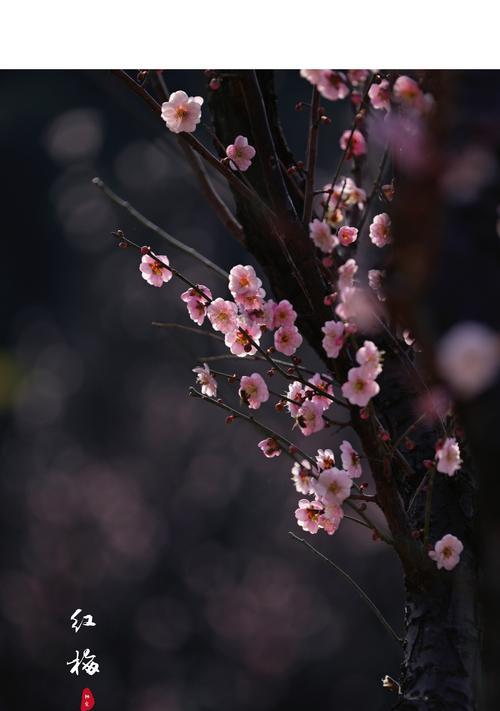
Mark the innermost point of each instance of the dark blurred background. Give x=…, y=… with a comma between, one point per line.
x=119, y=494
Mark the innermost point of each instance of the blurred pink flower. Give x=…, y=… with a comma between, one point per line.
x=351, y=460
x=370, y=357
x=333, y=339
x=448, y=456
x=346, y=274
x=322, y=236
x=380, y=230
x=447, y=552
x=380, y=95
x=357, y=143
x=347, y=235
x=332, y=85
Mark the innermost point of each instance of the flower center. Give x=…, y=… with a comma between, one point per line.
x=181, y=112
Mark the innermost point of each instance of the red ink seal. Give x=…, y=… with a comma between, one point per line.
x=88, y=700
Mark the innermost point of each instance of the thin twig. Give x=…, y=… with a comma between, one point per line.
x=191, y=329
x=354, y=584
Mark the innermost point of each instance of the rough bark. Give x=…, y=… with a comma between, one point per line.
x=440, y=657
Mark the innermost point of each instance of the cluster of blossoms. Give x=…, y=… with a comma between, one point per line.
x=329, y=486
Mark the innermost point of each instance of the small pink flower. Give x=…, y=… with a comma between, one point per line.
x=295, y=393
x=270, y=447
x=333, y=486
x=284, y=314
x=370, y=357
x=240, y=154
x=252, y=304
x=380, y=95
x=308, y=514
x=223, y=315
x=346, y=274
x=332, y=85
x=375, y=282
x=266, y=317
x=408, y=92
x=331, y=518
x=243, y=280
x=325, y=459
x=253, y=390
x=237, y=341
x=333, y=339
x=448, y=456
x=287, y=339
x=302, y=477
x=182, y=112
x=347, y=235
x=447, y=552
x=207, y=381
x=153, y=272
x=358, y=76
x=351, y=461
x=312, y=75
x=380, y=230
x=360, y=386
x=196, y=304
x=323, y=384
x=357, y=144
x=322, y=236
x=310, y=418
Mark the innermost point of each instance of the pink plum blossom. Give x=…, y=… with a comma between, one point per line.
x=331, y=518
x=196, y=304
x=380, y=95
x=407, y=91
x=333, y=339
x=357, y=143
x=351, y=461
x=270, y=447
x=243, y=280
x=446, y=553
x=287, y=339
x=347, y=273
x=468, y=357
x=370, y=357
x=322, y=236
x=237, y=340
x=153, y=272
x=284, y=314
x=266, y=316
x=323, y=384
x=182, y=113
x=347, y=235
x=312, y=75
x=310, y=418
x=360, y=386
x=253, y=390
x=332, y=85
x=207, y=381
x=295, y=393
x=358, y=76
x=223, y=315
x=375, y=282
x=448, y=456
x=380, y=230
x=325, y=459
x=308, y=514
x=333, y=486
x=240, y=154
x=302, y=477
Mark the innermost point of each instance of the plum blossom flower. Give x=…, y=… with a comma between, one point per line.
x=380, y=230
x=351, y=461
x=331, y=518
x=270, y=447
x=468, y=357
x=182, y=113
x=333, y=486
x=223, y=315
x=448, y=456
x=446, y=553
x=287, y=339
x=360, y=386
x=407, y=91
x=333, y=339
x=238, y=342
x=380, y=95
x=153, y=272
x=370, y=357
x=265, y=317
x=253, y=390
x=243, y=280
x=325, y=459
x=356, y=306
x=308, y=514
x=197, y=304
x=356, y=143
x=332, y=85
x=310, y=418
x=358, y=76
x=284, y=314
x=295, y=393
x=302, y=477
x=375, y=281
x=207, y=381
x=324, y=384
x=240, y=154
x=322, y=236
x=347, y=273
x=312, y=75
x=347, y=235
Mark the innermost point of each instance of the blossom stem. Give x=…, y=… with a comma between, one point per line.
x=355, y=585
x=370, y=523
x=312, y=151
x=191, y=329
x=158, y=230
